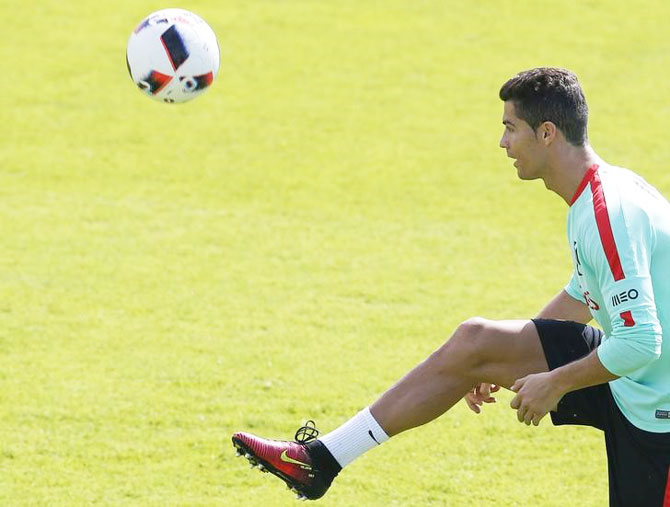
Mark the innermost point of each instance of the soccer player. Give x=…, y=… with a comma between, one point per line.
x=616, y=380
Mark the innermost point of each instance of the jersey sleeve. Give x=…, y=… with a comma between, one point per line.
x=620, y=254
x=573, y=288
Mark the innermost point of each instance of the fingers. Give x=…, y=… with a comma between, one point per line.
x=524, y=414
x=526, y=402
x=516, y=402
x=480, y=394
x=475, y=398
x=528, y=417
x=533, y=419
x=521, y=414
x=483, y=392
x=516, y=387
x=471, y=401
x=473, y=406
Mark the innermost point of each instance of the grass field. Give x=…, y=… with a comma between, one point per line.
x=289, y=244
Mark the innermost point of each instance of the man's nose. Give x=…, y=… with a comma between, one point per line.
x=503, y=141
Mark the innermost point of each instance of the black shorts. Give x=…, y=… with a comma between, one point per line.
x=638, y=461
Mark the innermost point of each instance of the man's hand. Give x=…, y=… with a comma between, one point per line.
x=536, y=395
x=481, y=394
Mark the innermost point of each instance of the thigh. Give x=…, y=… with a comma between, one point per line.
x=505, y=350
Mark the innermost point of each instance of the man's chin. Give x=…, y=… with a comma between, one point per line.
x=523, y=175
x=519, y=171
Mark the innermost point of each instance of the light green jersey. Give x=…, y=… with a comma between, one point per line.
x=619, y=235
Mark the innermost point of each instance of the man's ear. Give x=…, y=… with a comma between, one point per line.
x=547, y=132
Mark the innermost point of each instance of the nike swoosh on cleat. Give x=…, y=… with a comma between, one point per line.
x=287, y=459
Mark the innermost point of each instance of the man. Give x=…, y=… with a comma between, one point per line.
x=617, y=380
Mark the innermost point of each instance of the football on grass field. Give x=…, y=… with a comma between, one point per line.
x=173, y=55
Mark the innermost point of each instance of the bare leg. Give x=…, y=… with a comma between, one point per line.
x=480, y=350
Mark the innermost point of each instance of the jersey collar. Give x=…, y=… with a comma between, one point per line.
x=585, y=181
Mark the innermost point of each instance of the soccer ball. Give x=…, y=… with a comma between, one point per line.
x=173, y=55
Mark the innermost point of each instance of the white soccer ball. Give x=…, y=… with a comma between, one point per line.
x=173, y=55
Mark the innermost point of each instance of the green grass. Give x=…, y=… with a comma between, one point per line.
x=289, y=244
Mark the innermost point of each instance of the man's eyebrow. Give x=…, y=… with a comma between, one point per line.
x=508, y=122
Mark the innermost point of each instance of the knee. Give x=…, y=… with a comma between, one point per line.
x=471, y=334
x=471, y=330
x=468, y=342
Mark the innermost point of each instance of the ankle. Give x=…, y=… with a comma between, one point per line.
x=322, y=459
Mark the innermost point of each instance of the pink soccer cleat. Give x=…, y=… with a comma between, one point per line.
x=290, y=461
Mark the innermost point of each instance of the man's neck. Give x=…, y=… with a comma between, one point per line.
x=567, y=171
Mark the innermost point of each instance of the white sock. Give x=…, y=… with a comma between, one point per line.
x=355, y=437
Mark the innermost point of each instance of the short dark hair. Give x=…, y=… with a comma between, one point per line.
x=549, y=94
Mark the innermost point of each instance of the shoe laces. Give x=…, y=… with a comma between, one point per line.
x=306, y=433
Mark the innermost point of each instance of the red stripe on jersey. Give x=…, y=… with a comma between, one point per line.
x=585, y=181
x=666, y=498
x=605, y=227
